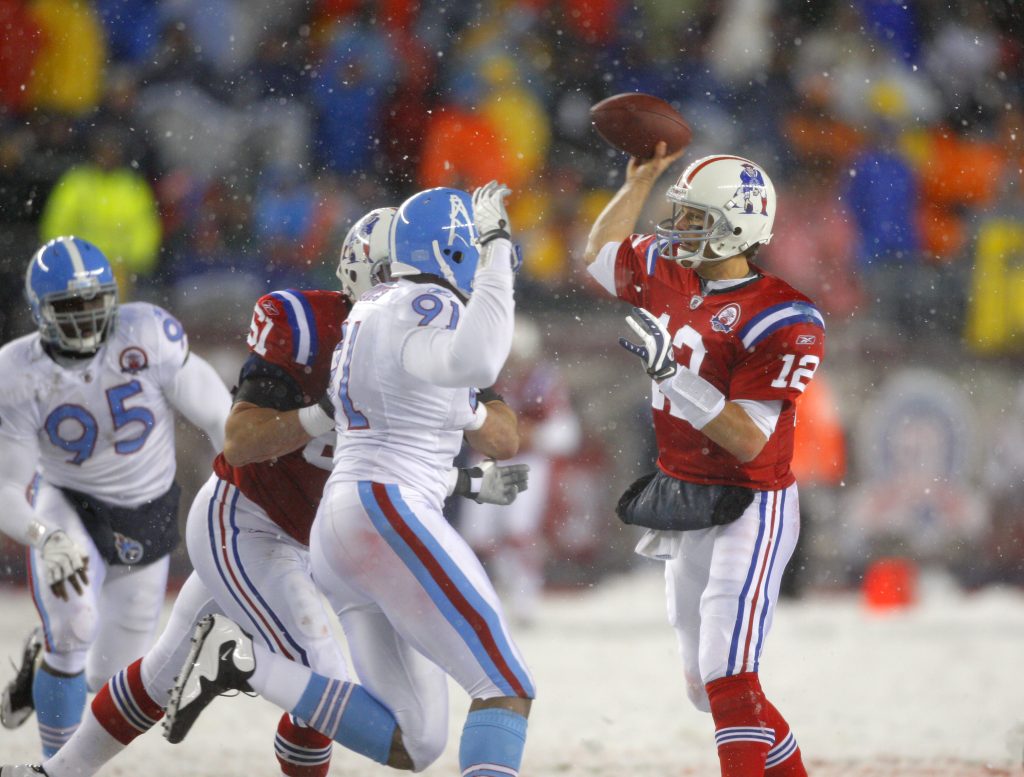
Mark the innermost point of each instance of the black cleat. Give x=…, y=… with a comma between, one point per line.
x=16, y=702
x=221, y=660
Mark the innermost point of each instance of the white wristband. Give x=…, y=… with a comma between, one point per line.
x=315, y=420
x=36, y=533
x=693, y=397
x=453, y=480
x=479, y=418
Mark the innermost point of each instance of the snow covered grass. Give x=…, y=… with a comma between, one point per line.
x=936, y=690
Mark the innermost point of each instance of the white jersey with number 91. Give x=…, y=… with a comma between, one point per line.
x=392, y=426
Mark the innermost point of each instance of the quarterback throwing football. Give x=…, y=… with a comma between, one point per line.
x=730, y=349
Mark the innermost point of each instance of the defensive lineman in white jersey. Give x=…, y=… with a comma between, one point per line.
x=86, y=416
x=403, y=391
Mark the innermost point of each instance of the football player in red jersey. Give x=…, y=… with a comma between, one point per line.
x=248, y=533
x=730, y=348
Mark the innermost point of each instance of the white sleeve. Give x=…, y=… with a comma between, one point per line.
x=474, y=353
x=18, y=458
x=603, y=267
x=200, y=395
x=764, y=413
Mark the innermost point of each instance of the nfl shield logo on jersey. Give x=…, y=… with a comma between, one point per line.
x=128, y=550
x=725, y=319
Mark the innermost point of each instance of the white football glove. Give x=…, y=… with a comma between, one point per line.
x=656, y=350
x=65, y=563
x=489, y=215
x=492, y=483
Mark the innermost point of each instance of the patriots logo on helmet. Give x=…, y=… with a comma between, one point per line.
x=367, y=230
x=752, y=188
x=133, y=360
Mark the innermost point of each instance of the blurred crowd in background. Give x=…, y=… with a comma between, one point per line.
x=219, y=149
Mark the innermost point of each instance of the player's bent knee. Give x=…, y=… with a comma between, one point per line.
x=399, y=757
x=515, y=704
x=71, y=637
x=424, y=733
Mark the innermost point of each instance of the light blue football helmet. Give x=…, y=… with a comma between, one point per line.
x=71, y=289
x=433, y=233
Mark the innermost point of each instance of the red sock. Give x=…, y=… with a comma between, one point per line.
x=783, y=760
x=123, y=707
x=301, y=751
x=742, y=733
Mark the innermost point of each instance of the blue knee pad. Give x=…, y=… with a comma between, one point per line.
x=60, y=702
x=492, y=737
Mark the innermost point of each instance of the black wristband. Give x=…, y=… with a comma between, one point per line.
x=464, y=482
x=326, y=404
x=488, y=395
x=494, y=234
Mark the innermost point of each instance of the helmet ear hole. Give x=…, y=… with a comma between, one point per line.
x=736, y=230
x=457, y=257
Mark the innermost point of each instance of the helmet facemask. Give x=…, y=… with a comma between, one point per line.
x=78, y=321
x=692, y=233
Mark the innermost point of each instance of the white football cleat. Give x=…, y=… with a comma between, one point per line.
x=221, y=659
x=22, y=770
x=16, y=702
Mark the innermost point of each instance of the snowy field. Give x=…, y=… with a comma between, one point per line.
x=937, y=690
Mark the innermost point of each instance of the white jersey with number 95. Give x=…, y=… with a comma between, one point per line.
x=103, y=426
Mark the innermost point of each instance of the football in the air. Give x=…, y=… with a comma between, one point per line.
x=634, y=122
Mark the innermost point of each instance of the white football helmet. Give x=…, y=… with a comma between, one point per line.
x=721, y=206
x=365, y=254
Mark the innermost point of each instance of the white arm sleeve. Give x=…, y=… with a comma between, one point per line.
x=18, y=519
x=764, y=413
x=200, y=395
x=474, y=353
x=603, y=267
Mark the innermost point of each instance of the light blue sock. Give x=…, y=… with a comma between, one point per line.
x=492, y=738
x=60, y=702
x=349, y=715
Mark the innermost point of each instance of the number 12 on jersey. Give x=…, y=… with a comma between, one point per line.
x=799, y=377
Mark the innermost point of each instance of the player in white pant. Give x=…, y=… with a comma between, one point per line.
x=87, y=403
x=403, y=387
x=720, y=608
x=250, y=554
x=721, y=508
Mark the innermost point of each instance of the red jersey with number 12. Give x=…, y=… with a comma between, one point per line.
x=295, y=331
x=759, y=340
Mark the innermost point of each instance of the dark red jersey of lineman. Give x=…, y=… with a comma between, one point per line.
x=296, y=331
x=759, y=340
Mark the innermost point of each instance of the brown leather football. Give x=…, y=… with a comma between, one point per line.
x=634, y=122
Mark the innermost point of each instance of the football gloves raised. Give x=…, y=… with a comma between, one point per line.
x=489, y=215
x=655, y=350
